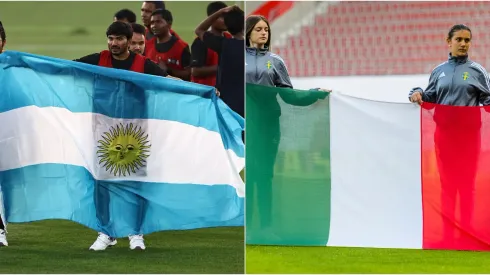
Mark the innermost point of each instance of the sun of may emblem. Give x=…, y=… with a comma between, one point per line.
x=123, y=150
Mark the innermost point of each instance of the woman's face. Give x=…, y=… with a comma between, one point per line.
x=460, y=43
x=259, y=34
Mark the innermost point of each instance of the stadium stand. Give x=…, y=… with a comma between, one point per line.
x=380, y=38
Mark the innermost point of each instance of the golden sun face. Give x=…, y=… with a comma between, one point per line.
x=123, y=150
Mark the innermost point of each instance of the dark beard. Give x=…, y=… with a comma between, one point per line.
x=121, y=50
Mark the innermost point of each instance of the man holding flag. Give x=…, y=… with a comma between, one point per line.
x=77, y=108
x=118, y=55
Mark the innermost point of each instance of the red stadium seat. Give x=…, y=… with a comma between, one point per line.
x=377, y=38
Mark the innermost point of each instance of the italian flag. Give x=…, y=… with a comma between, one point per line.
x=334, y=170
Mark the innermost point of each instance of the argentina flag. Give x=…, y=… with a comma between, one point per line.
x=117, y=151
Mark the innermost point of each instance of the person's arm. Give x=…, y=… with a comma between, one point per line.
x=185, y=60
x=92, y=59
x=302, y=98
x=153, y=69
x=322, y=90
x=483, y=86
x=281, y=73
x=213, y=42
x=199, y=54
x=202, y=28
x=429, y=95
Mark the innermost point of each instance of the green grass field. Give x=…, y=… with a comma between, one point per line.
x=273, y=259
x=61, y=247
x=70, y=30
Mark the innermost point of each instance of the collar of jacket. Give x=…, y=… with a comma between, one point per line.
x=457, y=59
x=257, y=51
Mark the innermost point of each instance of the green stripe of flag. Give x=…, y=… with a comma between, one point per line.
x=287, y=166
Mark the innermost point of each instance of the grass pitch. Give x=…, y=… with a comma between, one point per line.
x=61, y=247
x=275, y=259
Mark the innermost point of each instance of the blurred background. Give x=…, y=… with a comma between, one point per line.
x=74, y=29
x=388, y=47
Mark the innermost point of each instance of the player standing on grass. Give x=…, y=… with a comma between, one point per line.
x=169, y=52
x=3, y=236
x=204, y=60
x=118, y=56
x=137, y=44
x=147, y=9
x=231, y=67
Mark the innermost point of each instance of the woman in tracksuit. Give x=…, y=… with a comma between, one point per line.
x=457, y=82
x=268, y=69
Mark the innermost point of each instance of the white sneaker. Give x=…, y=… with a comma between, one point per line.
x=103, y=241
x=3, y=238
x=136, y=242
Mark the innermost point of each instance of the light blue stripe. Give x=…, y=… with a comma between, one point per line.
x=58, y=191
x=28, y=79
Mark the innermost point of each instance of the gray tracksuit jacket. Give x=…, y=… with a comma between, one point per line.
x=458, y=82
x=265, y=68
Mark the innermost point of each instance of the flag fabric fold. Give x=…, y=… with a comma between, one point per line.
x=387, y=175
x=120, y=152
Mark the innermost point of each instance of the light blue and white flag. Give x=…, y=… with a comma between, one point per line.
x=117, y=151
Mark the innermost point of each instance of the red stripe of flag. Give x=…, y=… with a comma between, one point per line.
x=455, y=144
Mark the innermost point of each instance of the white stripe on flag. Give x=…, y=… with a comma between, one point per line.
x=180, y=153
x=376, y=182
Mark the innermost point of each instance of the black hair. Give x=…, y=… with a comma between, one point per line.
x=137, y=28
x=120, y=28
x=215, y=6
x=252, y=20
x=166, y=15
x=159, y=5
x=125, y=13
x=2, y=32
x=234, y=21
x=455, y=28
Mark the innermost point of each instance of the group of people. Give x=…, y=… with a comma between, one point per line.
x=155, y=48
